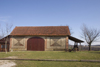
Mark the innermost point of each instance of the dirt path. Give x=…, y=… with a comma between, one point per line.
x=8, y=63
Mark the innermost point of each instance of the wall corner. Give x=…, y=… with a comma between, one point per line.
x=67, y=42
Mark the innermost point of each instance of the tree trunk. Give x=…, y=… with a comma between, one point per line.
x=89, y=47
x=6, y=47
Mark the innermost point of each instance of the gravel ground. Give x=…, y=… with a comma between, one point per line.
x=8, y=63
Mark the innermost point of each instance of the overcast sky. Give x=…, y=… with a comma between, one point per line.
x=51, y=13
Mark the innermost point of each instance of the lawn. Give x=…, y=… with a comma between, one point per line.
x=91, y=55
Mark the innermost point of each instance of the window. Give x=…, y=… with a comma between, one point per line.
x=3, y=46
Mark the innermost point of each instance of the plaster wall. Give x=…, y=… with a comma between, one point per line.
x=18, y=43
x=56, y=43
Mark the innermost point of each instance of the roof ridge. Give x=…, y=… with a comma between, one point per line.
x=41, y=26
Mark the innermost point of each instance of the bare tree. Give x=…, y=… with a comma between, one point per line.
x=0, y=35
x=90, y=35
x=71, y=30
x=5, y=32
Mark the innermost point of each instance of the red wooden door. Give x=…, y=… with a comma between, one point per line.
x=35, y=44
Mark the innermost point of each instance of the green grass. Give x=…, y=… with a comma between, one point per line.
x=55, y=64
x=91, y=55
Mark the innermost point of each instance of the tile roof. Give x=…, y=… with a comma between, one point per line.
x=42, y=31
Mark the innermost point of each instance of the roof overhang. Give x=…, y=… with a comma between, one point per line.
x=2, y=41
x=75, y=39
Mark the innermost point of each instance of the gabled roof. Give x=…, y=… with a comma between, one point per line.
x=42, y=30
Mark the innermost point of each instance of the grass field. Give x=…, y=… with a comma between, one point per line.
x=91, y=55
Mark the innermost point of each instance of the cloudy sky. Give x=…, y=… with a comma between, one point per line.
x=73, y=13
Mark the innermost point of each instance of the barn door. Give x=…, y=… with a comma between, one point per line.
x=35, y=44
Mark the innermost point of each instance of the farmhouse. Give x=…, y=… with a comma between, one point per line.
x=42, y=38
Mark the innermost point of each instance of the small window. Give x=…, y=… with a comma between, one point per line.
x=3, y=46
